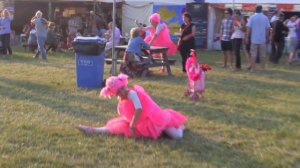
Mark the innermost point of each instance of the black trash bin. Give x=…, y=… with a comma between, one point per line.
x=89, y=55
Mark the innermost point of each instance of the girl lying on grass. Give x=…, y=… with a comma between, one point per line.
x=139, y=115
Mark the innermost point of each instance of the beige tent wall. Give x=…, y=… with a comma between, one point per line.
x=132, y=11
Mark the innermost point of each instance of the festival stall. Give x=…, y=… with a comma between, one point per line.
x=216, y=9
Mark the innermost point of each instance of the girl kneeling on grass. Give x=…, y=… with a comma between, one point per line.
x=134, y=64
x=139, y=115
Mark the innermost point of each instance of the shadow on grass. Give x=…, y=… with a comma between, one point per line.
x=198, y=148
x=53, y=59
x=47, y=96
x=264, y=118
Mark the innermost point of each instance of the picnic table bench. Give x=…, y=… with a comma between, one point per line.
x=153, y=61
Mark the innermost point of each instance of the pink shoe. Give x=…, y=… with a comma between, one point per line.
x=195, y=97
x=86, y=129
x=187, y=93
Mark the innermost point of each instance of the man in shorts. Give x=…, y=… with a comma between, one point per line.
x=226, y=31
x=258, y=26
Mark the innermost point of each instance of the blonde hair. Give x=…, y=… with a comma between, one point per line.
x=134, y=32
x=5, y=13
x=39, y=14
x=51, y=24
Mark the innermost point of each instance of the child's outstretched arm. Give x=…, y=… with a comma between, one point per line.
x=145, y=45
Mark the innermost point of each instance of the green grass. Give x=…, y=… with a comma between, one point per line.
x=245, y=120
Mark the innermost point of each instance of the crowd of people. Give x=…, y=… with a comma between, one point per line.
x=59, y=38
x=257, y=33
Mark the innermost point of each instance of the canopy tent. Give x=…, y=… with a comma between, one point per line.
x=137, y=4
x=173, y=2
x=132, y=5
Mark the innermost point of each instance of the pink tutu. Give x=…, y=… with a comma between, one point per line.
x=195, y=73
x=152, y=121
x=163, y=40
x=197, y=85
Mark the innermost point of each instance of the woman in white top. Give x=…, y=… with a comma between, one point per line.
x=292, y=38
x=237, y=37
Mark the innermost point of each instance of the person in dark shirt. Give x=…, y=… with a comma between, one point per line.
x=187, y=39
x=279, y=32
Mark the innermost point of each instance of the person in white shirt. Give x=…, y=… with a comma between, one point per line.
x=292, y=38
x=258, y=26
x=275, y=16
x=237, y=37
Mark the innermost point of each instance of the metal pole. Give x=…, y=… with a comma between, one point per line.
x=114, y=56
x=94, y=6
x=49, y=10
x=233, y=5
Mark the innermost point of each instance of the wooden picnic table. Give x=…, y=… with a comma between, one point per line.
x=153, y=62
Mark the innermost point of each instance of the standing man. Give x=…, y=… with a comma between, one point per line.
x=279, y=31
x=258, y=26
x=226, y=31
x=41, y=26
x=93, y=23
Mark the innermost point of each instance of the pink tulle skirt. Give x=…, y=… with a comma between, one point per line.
x=163, y=40
x=197, y=85
x=147, y=127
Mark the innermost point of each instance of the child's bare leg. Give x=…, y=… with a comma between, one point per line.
x=162, y=68
x=187, y=93
x=195, y=96
x=201, y=94
x=91, y=130
x=174, y=133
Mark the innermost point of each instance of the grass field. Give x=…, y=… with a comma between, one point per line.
x=245, y=120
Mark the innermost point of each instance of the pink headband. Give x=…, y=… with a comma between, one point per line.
x=112, y=85
x=155, y=17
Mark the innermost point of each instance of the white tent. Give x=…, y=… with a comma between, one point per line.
x=140, y=10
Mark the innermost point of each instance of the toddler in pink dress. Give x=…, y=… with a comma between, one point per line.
x=196, y=77
x=139, y=115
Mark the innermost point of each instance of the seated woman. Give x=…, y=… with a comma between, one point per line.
x=139, y=115
x=134, y=64
x=52, y=37
x=108, y=36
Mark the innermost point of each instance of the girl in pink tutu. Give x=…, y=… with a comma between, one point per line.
x=139, y=115
x=196, y=77
x=159, y=34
